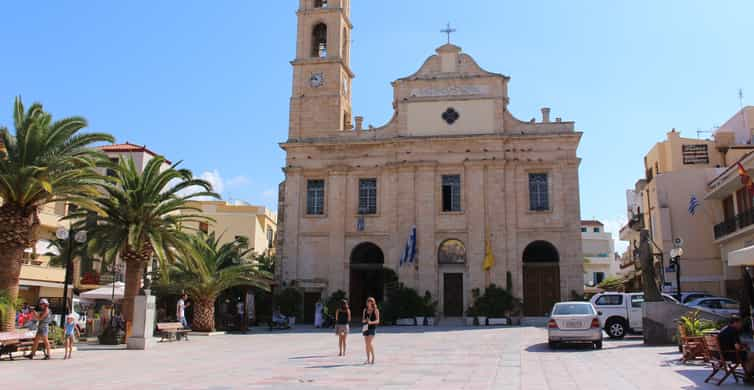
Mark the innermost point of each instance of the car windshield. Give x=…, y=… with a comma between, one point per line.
x=572, y=308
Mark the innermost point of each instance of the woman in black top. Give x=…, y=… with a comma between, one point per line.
x=342, y=319
x=370, y=319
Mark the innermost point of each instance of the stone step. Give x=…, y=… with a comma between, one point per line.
x=534, y=321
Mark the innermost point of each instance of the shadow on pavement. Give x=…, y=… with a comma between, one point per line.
x=567, y=348
x=338, y=365
x=698, y=377
x=308, y=357
x=356, y=329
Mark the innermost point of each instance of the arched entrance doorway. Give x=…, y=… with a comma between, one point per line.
x=367, y=277
x=541, y=278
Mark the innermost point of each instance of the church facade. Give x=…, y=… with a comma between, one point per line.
x=453, y=163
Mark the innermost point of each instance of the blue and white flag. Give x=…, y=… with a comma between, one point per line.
x=409, y=252
x=693, y=204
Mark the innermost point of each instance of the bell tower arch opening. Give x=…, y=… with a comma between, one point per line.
x=319, y=41
x=541, y=277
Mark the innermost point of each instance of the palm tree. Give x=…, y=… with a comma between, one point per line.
x=45, y=161
x=141, y=215
x=7, y=307
x=213, y=269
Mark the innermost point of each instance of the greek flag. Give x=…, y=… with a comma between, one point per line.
x=410, y=251
x=693, y=204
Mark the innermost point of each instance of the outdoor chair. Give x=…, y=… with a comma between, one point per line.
x=720, y=363
x=692, y=347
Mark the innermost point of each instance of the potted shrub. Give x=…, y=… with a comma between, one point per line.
x=499, y=303
x=289, y=301
x=495, y=306
x=471, y=313
x=405, y=306
x=430, y=308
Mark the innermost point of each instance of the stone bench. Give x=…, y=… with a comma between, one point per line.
x=169, y=331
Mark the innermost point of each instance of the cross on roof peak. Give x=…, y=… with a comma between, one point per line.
x=448, y=30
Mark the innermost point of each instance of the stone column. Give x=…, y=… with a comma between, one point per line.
x=406, y=217
x=295, y=190
x=512, y=208
x=426, y=209
x=339, y=261
x=143, y=323
x=476, y=215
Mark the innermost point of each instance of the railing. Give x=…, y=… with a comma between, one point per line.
x=730, y=225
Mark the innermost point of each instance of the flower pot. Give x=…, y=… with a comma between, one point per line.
x=405, y=321
x=482, y=320
x=419, y=321
x=469, y=321
x=497, y=321
x=430, y=321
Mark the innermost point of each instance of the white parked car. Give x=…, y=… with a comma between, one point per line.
x=574, y=322
x=622, y=312
x=717, y=305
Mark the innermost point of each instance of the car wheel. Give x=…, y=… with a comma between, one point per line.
x=616, y=329
x=598, y=344
x=553, y=344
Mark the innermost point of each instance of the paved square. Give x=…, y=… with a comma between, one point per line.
x=481, y=358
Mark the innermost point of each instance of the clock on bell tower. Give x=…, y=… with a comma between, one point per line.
x=321, y=97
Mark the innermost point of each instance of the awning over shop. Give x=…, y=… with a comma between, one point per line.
x=743, y=256
x=105, y=292
x=38, y=283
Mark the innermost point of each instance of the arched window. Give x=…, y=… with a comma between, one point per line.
x=541, y=252
x=320, y=3
x=319, y=41
x=451, y=251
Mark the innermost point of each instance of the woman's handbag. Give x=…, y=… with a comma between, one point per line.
x=364, y=328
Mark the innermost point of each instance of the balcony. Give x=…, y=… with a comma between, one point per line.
x=731, y=225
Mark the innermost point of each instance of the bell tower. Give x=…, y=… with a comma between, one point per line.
x=321, y=97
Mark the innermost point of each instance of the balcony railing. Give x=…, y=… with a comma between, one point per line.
x=730, y=225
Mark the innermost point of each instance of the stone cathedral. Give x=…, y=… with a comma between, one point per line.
x=452, y=162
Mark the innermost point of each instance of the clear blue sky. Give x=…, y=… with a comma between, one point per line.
x=209, y=82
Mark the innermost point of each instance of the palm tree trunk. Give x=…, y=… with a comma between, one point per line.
x=135, y=262
x=17, y=232
x=204, y=315
x=10, y=271
x=134, y=276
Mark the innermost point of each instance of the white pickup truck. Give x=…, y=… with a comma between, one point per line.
x=621, y=312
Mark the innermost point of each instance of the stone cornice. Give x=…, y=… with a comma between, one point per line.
x=328, y=10
x=327, y=60
x=505, y=137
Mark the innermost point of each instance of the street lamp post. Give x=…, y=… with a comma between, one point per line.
x=117, y=269
x=71, y=238
x=675, y=259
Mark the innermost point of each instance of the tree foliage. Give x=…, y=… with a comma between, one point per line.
x=47, y=161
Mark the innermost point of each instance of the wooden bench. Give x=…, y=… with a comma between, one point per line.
x=170, y=330
x=720, y=363
x=11, y=342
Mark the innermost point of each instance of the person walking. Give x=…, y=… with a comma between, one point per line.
x=71, y=331
x=180, y=310
x=43, y=318
x=342, y=320
x=370, y=319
